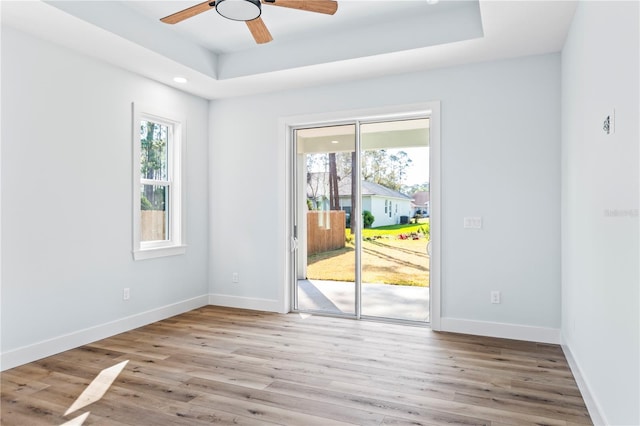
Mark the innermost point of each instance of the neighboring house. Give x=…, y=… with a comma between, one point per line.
x=386, y=205
x=420, y=204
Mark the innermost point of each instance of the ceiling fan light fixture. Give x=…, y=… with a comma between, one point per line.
x=239, y=10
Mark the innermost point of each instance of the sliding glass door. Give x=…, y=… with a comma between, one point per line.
x=394, y=179
x=326, y=260
x=361, y=219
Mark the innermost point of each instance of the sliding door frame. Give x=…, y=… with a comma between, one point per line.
x=287, y=127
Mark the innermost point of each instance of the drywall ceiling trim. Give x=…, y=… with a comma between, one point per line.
x=459, y=21
x=412, y=32
x=511, y=29
x=122, y=21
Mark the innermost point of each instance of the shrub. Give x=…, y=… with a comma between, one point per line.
x=145, y=204
x=367, y=219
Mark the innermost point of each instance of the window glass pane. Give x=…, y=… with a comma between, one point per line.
x=153, y=150
x=154, y=214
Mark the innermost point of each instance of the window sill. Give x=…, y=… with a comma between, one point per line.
x=153, y=253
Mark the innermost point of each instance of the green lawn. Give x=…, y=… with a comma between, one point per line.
x=393, y=230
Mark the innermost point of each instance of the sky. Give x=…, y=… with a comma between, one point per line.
x=418, y=171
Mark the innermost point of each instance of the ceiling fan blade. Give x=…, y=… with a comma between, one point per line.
x=188, y=12
x=328, y=7
x=259, y=31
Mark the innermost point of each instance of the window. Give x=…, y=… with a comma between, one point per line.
x=158, y=141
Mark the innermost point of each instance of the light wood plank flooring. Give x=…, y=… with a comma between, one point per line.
x=228, y=366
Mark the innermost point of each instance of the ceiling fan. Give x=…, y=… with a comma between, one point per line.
x=250, y=10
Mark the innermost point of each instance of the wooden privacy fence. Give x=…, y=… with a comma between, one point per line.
x=152, y=225
x=325, y=231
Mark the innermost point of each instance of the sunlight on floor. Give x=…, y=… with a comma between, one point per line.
x=96, y=390
x=78, y=421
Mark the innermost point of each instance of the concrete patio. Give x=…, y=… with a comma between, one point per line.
x=378, y=300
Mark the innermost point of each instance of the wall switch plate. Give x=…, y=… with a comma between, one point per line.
x=473, y=222
x=495, y=297
x=235, y=277
x=125, y=293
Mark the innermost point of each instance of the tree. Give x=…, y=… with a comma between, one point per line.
x=324, y=173
x=316, y=179
x=412, y=189
x=153, y=163
x=385, y=168
x=334, y=196
x=145, y=204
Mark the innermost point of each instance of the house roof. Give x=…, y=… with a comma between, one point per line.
x=370, y=188
x=344, y=186
x=421, y=198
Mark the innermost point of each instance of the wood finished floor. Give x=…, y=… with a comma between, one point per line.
x=228, y=366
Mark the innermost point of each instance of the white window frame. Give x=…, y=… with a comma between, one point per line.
x=175, y=244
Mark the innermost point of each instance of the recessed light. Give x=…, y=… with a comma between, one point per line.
x=433, y=1
x=335, y=142
x=180, y=80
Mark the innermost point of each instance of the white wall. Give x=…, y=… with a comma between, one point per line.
x=66, y=200
x=382, y=218
x=500, y=160
x=600, y=244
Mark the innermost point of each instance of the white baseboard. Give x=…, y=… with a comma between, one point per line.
x=496, y=329
x=593, y=407
x=36, y=351
x=254, y=304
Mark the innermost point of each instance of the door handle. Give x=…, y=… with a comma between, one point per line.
x=294, y=244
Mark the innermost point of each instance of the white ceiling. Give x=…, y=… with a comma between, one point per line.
x=364, y=39
x=221, y=35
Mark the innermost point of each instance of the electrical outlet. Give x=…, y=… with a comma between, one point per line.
x=125, y=293
x=235, y=277
x=495, y=297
